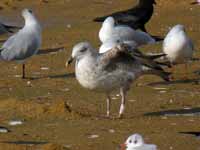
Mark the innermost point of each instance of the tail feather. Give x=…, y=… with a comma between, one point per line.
x=157, y=38
x=149, y=63
x=149, y=66
x=168, y=64
x=165, y=75
x=156, y=56
x=11, y=27
x=161, y=73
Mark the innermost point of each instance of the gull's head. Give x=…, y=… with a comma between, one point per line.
x=179, y=27
x=30, y=19
x=26, y=13
x=133, y=141
x=79, y=51
x=109, y=21
x=147, y=2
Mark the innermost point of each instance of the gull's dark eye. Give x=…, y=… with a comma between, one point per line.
x=83, y=50
x=130, y=141
x=30, y=11
x=135, y=141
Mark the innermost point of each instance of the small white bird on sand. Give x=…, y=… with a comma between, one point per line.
x=114, y=69
x=177, y=46
x=136, y=142
x=109, y=31
x=25, y=43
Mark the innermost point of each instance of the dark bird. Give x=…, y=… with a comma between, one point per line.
x=135, y=17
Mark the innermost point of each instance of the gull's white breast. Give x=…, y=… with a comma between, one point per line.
x=178, y=47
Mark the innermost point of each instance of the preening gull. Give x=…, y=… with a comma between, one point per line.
x=25, y=43
x=114, y=69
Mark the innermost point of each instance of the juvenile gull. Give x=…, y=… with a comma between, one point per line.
x=135, y=17
x=108, y=45
x=25, y=43
x=114, y=69
x=136, y=142
x=111, y=31
x=178, y=46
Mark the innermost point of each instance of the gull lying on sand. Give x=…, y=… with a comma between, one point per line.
x=114, y=69
x=136, y=142
x=25, y=43
x=109, y=31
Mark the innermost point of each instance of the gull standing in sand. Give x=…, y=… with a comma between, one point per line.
x=177, y=46
x=136, y=142
x=109, y=31
x=25, y=43
x=114, y=69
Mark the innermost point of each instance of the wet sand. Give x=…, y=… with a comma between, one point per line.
x=59, y=114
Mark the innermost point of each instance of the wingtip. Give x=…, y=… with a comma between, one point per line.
x=10, y=28
x=98, y=19
x=158, y=38
x=167, y=76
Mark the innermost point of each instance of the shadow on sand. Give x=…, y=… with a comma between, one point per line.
x=176, y=112
x=50, y=50
x=65, y=75
x=25, y=142
x=184, y=81
x=194, y=133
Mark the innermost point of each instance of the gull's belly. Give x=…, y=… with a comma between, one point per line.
x=177, y=49
x=115, y=80
x=104, y=81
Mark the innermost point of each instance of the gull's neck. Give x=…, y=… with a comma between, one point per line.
x=108, y=27
x=31, y=21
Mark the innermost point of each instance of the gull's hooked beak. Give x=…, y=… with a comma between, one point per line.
x=69, y=61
